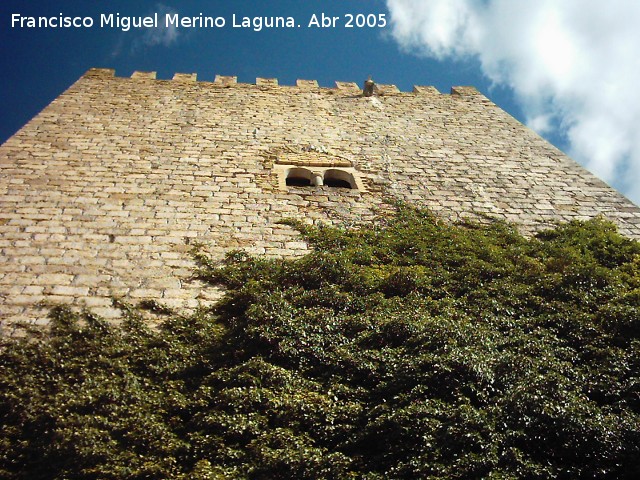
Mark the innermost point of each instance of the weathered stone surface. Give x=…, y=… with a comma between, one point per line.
x=105, y=191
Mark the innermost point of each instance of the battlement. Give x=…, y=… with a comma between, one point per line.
x=304, y=85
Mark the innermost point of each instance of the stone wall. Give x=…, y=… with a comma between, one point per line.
x=105, y=191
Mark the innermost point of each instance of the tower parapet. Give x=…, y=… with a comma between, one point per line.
x=226, y=80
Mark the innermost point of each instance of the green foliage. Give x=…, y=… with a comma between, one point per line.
x=413, y=349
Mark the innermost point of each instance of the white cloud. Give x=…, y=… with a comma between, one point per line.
x=162, y=34
x=573, y=65
x=136, y=40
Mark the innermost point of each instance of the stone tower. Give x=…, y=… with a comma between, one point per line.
x=103, y=192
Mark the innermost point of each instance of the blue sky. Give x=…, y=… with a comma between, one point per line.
x=523, y=54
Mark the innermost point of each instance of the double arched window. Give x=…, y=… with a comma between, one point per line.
x=333, y=177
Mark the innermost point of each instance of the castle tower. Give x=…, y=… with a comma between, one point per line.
x=104, y=192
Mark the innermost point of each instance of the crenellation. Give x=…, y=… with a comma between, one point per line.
x=267, y=82
x=307, y=84
x=144, y=75
x=185, y=77
x=425, y=90
x=386, y=89
x=349, y=87
x=226, y=80
x=100, y=72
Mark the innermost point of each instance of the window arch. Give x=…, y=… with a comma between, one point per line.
x=298, y=177
x=338, y=179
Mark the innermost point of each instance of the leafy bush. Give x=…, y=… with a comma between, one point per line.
x=413, y=349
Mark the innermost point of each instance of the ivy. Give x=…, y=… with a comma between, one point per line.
x=411, y=349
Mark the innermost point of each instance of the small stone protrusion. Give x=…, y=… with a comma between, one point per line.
x=369, y=87
x=140, y=75
x=226, y=80
x=386, y=89
x=267, y=82
x=347, y=86
x=464, y=91
x=425, y=90
x=100, y=72
x=307, y=84
x=185, y=77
